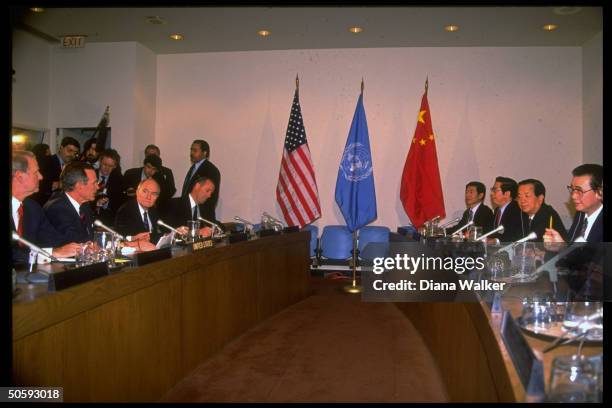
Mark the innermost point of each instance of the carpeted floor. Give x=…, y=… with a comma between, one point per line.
x=328, y=347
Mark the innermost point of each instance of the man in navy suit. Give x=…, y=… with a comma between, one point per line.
x=586, y=192
x=536, y=214
x=192, y=206
x=137, y=218
x=53, y=166
x=110, y=194
x=476, y=211
x=69, y=211
x=202, y=167
x=28, y=218
x=507, y=211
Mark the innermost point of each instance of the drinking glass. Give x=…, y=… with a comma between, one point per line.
x=573, y=379
x=523, y=260
x=583, y=316
x=537, y=314
x=105, y=243
x=474, y=231
x=194, y=230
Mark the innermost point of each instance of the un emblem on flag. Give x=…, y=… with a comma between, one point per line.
x=356, y=164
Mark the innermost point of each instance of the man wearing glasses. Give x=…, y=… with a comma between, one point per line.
x=586, y=192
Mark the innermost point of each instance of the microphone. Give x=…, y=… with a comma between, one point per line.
x=464, y=227
x=508, y=248
x=33, y=247
x=245, y=222
x=450, y=222
x=275, y=220
x=163, y=224
x=499, y=229
x=212, y=224
x=99, y=223
x=437, y=217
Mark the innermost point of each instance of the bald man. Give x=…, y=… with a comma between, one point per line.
x=137, y=218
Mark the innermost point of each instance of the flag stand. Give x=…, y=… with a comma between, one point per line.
x=354, y=288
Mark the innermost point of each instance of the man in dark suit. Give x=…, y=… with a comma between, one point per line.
x=110, y=194
x=507, y=211
x=28, y=218
x=536, y=214
x=69, y=211
x=202, y=166
x=191, y=206
x=137, y=218
x=476, y=210
x=165, y=171
x=151, y=168
x=53, y=166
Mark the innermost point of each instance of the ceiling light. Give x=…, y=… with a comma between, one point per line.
x=355, y=30
x=451, y=28
x=155, y=20
x=176, y=37
x=264, y=33
x=37, y=9
x=549, y=27
x=566, y=11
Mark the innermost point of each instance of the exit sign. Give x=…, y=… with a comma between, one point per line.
x=73, y=41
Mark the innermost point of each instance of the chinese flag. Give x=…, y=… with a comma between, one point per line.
x=421, y=189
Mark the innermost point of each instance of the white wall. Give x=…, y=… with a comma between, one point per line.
x=592, y=99
x=496, y=111
x=121, y=75
x=30, y=93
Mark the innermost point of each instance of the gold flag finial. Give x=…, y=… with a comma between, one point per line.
x=361, y=84
x=426, y=83
x=297, y=82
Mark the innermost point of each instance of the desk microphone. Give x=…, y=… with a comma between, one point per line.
x=450, y=222
x=508, y=248
x=499, y=229
x=33, y=247
x=212, y=224
x=163, y=224
x=275, y=220
x=464, y=227
x=437, y=217
x=245, y=222
x=99, y=223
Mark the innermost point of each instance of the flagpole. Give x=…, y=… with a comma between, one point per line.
x=354, y=288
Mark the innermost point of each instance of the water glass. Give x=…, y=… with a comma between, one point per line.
x=573, y=379
x=523, y=260
x=537, y=314
x=105, y=246
x=85, y=254
x=194, y=230
x=474, y=231
x=582, y=316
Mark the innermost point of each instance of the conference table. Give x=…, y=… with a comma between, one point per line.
x=134, y=334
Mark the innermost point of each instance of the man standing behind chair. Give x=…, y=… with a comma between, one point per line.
x=53, y=166
x=110, y=187
x=69, y=211
x=507, y=211
x=536, y=214
x=137, y=218
x=28, y=218
x=477, y=210
x=202, y=166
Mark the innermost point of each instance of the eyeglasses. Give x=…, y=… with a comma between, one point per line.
x=494, y=190
x=580, y=192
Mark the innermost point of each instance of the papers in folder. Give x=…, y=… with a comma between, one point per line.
x=165, y=241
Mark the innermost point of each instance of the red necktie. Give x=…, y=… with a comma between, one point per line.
x=497, y=218
x=20, y=223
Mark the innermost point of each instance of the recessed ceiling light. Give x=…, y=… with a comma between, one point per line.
x=155, y=20
x=451, y=28
x=176, y=37
x=37, y=9
x=549, y=27
x=264, y=33
x=566, y=11
x=355, y=30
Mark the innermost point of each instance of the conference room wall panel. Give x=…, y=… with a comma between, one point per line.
x=592, y=85
x=514, y=111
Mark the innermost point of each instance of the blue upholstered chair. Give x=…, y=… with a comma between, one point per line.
x=379, y=236
x=336, y=245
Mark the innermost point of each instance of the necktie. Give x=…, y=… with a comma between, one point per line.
x=83, y=221
x=20, y=222
x=187, y=180
x=584, y=227
x=497, y=218
x=195, y=213
x=102, y=182
x=471, y=215
x=146, y=221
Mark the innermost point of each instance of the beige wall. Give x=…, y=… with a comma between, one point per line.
x=495, y=111
x=592, y=104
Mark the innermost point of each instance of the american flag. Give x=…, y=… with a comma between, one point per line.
x=296, y=191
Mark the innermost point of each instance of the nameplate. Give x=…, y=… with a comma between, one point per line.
x=144, y=258
x=268, y=232
x=520, y=352
x=291, y=229
x=237, y=237
x=200, y=245
x=75, y=276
